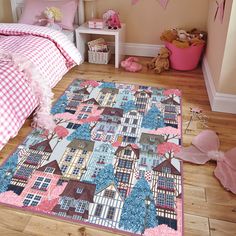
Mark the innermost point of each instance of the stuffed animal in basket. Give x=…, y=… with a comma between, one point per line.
x=51, y=15
x=131, y=64
x=161, y=62
x=112, y=19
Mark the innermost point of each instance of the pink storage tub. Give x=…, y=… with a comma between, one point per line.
x=184, y=58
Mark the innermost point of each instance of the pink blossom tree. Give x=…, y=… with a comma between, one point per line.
x=168, y=149
x=9, y=197
x=161, y=230
x=167, y=132
x=172, y=93
x=89, y=83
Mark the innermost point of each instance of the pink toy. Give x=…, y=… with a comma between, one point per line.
x=112, y=20
x=130, y=64
x=205, y=147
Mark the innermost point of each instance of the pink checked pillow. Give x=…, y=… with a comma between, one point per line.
x=33, y=11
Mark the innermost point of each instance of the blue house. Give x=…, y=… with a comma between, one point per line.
x=122, y=97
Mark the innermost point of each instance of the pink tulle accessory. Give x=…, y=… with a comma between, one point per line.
x=205, y=147
x=131, y=64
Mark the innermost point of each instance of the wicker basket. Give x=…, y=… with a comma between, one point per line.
x=99, y=57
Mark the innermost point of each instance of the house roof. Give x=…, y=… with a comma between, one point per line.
x=170, y=100
x=110, y=90
x=167, y=163
x=111, y=111
x=149, y=93
x=52, y=164
x=45, y=144
x=135, y=150
x=83, y=91
x=81, y=144
x=71, y=190
x=91, y=99
x=151, y=139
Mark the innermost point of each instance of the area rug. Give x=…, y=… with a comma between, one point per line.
x=110, y=160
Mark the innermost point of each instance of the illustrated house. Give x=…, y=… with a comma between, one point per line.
x=107, y=96
x=106, y=128
x=171, y=110
x=41, y=184
x=122, y=97
x=142, y=99
x=166, y=187
x=103, y=155
x=130, y=127
x=126, y=163
x=75, y=98
x=107, y=207
x=148, y=154
x=32, y=159
x=75, y=200
x=75, y=159
x=157, y=96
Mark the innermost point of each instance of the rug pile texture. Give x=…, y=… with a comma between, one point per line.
x=110, y=160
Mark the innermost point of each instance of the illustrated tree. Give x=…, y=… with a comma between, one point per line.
x=172, y=93
x=168, y=149
x=82, y=132
x=136, y=215
x=167, y=132
x=107, y=85
x=6, y=172
x=129, y=105
x=153, y=119
x=105, y=177
x=89, y=83
x=60, y=105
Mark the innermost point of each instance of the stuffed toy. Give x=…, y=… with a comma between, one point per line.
x=181, y=44
x=169, y=35
x=161, y=62
x=51, y=15
x=111, y=19
x=131, y=64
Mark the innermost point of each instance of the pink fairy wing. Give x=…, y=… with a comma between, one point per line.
x=226, y=176
x=193, y=155
x=230, y=158
x=206, y=141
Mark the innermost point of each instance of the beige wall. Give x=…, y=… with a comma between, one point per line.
x=220, y=53
x=146, y=20
x=5, y=11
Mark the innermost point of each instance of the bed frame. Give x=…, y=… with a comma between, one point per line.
x=18, y=5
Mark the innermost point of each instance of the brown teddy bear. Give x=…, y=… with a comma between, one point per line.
x=161, y=62
x=169, y=35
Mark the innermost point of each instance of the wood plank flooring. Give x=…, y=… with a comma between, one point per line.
x=208, y=208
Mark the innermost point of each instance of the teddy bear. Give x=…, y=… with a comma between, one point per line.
x=169, y=35
x=161, y=62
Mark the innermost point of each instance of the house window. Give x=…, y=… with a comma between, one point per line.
x=123, y=177
x=135, y=121
x=76, y=171
x=112, y=129
x=123, y=192
x=72, y=150
x=81, y=160
x=31, y=200
x=65, y=204
x=108, y=137
x=127, y=120
x=64, y=168
x=164, y=182
x=98, y=210
x=127, y=152
x=166, y=170
x=155, y=163
x=98, y=136
x=104, y=149
x=109, y=193
x=133, y=130
x=101, y=127
x=68, y=158
x=87, y=109
x=125, y=128
x=72, y=126
x=170, y=201
x=143, y=161
x=111, y=213
x=161, y=199
x=41, y=183
x=84, y=152
x=49, y=170
x=125, y=164
x=81, y=206
x=79, y=190
x=141, y=173
x=82, y=116
x=33, y=159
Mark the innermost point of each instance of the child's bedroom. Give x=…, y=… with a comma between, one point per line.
x=117, y=118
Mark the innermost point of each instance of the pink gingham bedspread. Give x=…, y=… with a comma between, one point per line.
x=49, y=50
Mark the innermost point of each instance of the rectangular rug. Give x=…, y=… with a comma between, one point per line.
x=110, y=160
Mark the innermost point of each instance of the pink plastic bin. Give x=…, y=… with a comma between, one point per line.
x=184, y=58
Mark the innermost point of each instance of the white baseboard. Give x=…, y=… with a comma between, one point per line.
x=136, y=49
x=221, y=102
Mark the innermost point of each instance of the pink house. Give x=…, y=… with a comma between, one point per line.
x=44, y=185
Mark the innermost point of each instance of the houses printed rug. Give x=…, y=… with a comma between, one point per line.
x=110, y=160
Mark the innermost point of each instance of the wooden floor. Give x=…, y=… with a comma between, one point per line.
x=208, y=208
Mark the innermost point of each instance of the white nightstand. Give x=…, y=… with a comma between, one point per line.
x=83, y=35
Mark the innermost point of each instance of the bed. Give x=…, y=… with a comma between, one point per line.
x=32, y=61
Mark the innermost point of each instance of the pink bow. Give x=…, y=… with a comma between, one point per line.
x=205, y=147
